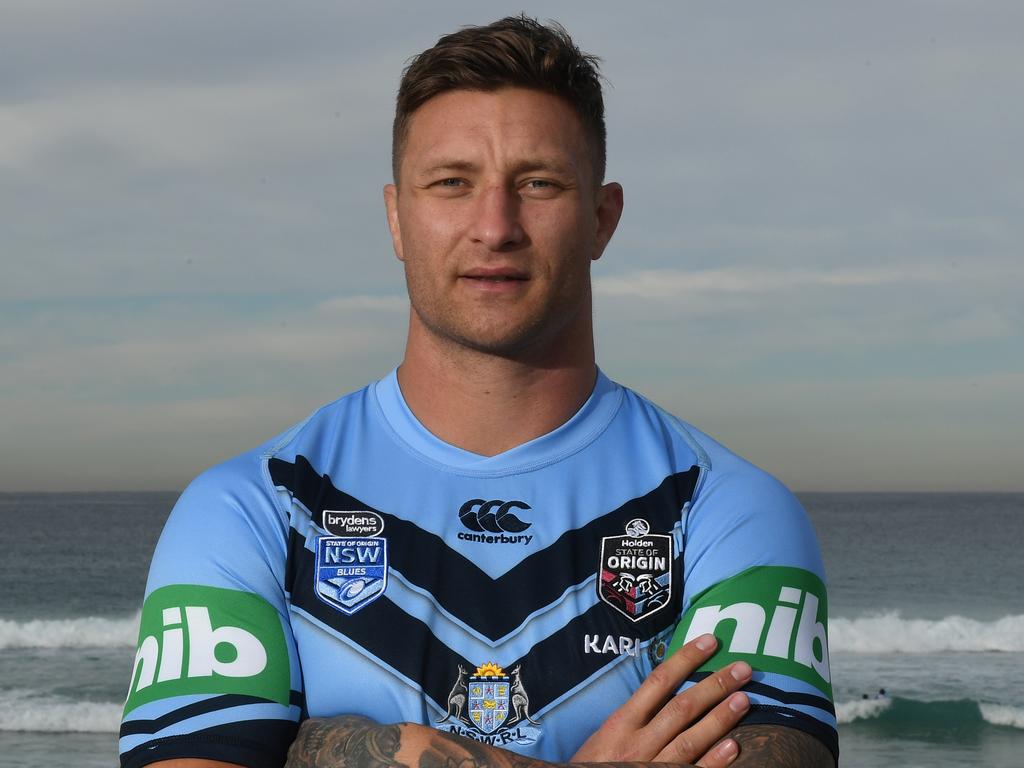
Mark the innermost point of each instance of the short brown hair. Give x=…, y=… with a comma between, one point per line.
x=516, y=51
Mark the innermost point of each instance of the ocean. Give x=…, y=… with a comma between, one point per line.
x=925, y=596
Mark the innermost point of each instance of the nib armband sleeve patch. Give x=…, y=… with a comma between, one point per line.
x=775, y=618
x=208, y=640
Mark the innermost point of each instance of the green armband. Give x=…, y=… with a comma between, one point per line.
x=772, y=617
x=208, y=640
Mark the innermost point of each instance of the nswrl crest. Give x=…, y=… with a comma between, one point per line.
x=490, y=701
x=636, y=571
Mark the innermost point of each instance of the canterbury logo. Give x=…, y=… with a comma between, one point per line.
x=494, y=516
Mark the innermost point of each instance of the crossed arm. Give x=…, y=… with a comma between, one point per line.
x=654, y=727
x=352, y=742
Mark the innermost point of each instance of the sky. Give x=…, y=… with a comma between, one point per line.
x=820, y=261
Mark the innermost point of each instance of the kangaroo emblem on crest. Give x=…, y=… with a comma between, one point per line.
x=457, y=697
x=520, y=700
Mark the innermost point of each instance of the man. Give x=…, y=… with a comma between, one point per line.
x=482, y=558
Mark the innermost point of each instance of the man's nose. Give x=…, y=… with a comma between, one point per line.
x=496, y=222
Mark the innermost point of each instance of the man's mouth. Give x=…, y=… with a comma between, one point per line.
x=501, y=275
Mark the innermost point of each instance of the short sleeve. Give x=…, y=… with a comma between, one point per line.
x=215, y=673
x=754, y=578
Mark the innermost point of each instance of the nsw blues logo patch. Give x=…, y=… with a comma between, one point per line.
x=351, y=569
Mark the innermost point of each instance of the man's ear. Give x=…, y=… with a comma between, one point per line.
x=391, y=206
x=609, y=211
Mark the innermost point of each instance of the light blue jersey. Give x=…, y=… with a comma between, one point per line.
x=359, y=565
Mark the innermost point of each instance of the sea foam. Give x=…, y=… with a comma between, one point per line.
x=902, y=718
x=891, y=633
x=860, y=709
x=85, y=632
x=1000, y=714
x=22, y=710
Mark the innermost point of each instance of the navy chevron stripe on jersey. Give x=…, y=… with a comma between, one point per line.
x=245, y=743
x=791, y=697
x=212, y=704
x=545, y=669
x=493, y=607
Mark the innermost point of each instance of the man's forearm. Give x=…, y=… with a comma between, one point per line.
x=779, y=747
x=356, y=742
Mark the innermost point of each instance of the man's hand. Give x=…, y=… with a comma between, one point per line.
x=656, y=726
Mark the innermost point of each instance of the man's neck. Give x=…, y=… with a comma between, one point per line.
x=487, y=404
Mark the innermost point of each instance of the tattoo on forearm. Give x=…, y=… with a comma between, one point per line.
x=446, y=750
x=345, y=742
x=450, y=751
x=356, y=742
x=775, y=745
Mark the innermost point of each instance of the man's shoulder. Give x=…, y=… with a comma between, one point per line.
x=730, y=486
x=738, y=502
x=730, y=472
x=721, y=463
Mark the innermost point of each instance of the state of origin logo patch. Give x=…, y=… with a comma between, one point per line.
x=636, y=571
x=352, y=562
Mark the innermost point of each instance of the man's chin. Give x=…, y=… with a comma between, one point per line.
x=534, y=338
x=507, y=342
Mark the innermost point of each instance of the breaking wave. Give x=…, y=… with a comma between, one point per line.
x=1000, y=714
x=861, y=709
x=891, y=633
x=85, y=632
x=905, y=717
x=22, y=710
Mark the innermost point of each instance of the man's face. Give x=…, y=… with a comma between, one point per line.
x=497, y=217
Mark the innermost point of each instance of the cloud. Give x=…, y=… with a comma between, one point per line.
x=169, y=355
x=194, y=240
x=363, y=303
x=151, y=403
x=882, y=305
x=182, y=126
x=659, y=284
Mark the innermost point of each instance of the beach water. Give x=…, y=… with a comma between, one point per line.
x=925, y=598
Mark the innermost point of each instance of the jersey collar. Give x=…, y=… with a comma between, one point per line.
x=586, y=424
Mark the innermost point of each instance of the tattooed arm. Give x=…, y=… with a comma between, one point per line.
x=656, y=725
x=355, y=742
x=776, y=745
x=346, y=742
